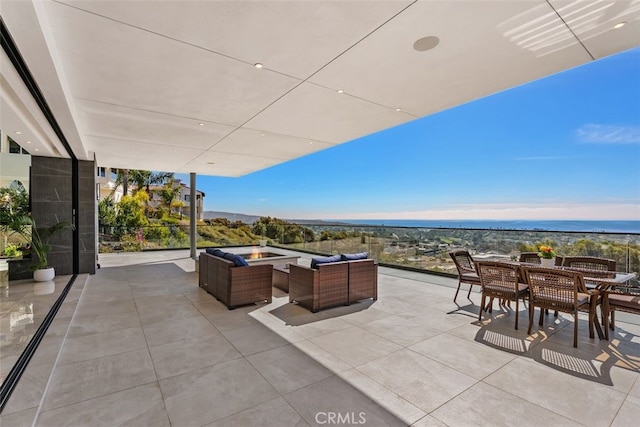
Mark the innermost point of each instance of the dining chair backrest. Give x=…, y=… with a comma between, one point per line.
x=530, y=257
x=463, y=261
x=556, y=289
x=498, y=276
x=559, y=290
x=589, y=263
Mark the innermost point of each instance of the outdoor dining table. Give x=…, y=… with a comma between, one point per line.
x=599, y=280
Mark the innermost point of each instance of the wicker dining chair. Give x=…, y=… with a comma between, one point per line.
x=621, y=299
x=529, y=257
x=589, y=263
x=466, y=270
x=559, y=290
x=501, y=280
x=533, y=258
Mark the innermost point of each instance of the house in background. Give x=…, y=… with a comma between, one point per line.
x=106, y=187
x=183, y=196
x=15, y=162
x=106, y=184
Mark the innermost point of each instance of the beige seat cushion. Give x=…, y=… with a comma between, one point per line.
x=625, y=300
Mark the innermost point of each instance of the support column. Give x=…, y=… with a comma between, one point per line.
x=192, y=214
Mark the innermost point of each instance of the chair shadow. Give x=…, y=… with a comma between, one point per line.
x=294, y=315
x=593, y=360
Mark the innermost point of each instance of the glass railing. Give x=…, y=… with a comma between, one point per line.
x=421, y=249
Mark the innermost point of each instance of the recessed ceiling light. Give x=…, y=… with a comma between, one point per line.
x=28, y=142
x=340, y=91
x=398, y=109
x=620, y=25
x=426, y=43
x=310, y=142
x=201, y=124
x=258, y=65
x=18, y=132
x=37, y=149
x=262, y=134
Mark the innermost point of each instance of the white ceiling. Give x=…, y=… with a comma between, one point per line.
x=171, y=85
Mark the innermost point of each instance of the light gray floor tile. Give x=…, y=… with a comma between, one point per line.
x=334, y=397
x=321, y=356
x=400, y=330
x=274, y=413
x=194, y=294
x=155, y=314
x=148, y=291
x=421, y=381
x=473, y=359
x=484, y=405
x=254, y=339
x=390, y=401
x=18, y=419
x=91, y=324
x=176, y=330
x=231, y=319
x=628, y=414
x=93, y=346
x=152, y=302
x=428, y=421
x=29, y=391
x=189, y=355
x=119, y=305
x=97, y=377
x=209, y=305
x=635, y=390
x=355, y=346
x=287, y=368
x=141, y=406
x=590, y=403
x=213, y=393
x=365, y=316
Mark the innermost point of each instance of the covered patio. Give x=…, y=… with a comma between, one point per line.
x=139, y=343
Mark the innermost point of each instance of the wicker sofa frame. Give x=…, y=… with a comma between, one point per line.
x=333, y=284
x=232, y=285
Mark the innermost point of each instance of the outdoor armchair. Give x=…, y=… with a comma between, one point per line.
x=621, y=299
x=559, y=290
x=466, y=270
x=501, y=280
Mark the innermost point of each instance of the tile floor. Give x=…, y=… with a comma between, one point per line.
x=140, y=344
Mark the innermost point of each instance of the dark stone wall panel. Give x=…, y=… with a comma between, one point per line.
x=51, y=202
x=87, y=216
x=50, y=166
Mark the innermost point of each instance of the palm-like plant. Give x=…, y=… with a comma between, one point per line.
x=39, y=237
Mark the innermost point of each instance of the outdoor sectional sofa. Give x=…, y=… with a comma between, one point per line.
x=338, y=280
x=232, y=281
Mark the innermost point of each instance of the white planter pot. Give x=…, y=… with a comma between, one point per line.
x=548, y=262
x=44, y=275
x=263, y=242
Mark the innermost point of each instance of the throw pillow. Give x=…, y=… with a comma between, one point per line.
x=353, y=257
x=215, y=252
x=324, y=260
x=239, y=261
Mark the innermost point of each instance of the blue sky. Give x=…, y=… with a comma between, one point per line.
x=564, y=147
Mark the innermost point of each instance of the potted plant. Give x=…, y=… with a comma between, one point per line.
x=547, y=256
x=39, y=247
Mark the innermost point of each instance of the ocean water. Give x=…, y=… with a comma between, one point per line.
x=564, y=225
